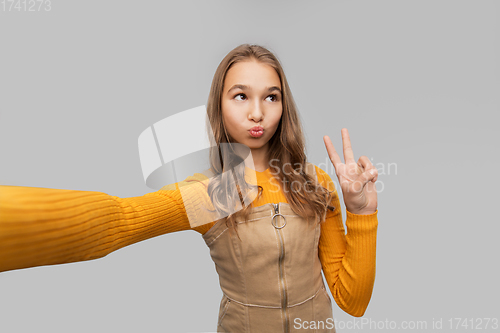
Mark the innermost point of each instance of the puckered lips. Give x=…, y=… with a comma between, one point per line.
x=256, y=131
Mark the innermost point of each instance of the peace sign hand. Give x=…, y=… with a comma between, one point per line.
x=357, y=180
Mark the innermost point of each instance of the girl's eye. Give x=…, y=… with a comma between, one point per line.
x=275, y=98
x=239, y=95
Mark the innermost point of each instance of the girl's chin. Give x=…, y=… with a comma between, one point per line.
x=253, y=143
x=256, y=146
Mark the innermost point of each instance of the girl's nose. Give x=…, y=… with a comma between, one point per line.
x=256, y=111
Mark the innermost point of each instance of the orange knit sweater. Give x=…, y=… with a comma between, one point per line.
x=41, y=226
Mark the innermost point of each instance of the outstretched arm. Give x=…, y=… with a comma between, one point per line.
x=41, y=226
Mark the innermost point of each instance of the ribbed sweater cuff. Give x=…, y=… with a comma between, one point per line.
x=361, y=224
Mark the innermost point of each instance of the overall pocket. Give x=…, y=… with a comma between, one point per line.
x=326, y=294
x=323, y=310
x=224, y=305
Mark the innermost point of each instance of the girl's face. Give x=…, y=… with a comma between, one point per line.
x=251, y=97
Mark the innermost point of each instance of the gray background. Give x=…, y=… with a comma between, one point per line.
x=415, y=82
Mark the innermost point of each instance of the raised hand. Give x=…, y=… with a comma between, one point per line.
x=357, y=180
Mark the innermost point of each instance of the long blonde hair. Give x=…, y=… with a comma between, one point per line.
x=286, y=147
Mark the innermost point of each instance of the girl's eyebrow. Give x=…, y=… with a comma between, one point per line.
x=244, y=87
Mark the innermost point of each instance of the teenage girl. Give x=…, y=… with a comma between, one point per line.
x=270, y=254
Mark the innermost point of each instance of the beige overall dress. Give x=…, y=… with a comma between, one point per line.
x=271, y=280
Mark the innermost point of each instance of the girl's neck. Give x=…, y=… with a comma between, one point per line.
x=260, y=159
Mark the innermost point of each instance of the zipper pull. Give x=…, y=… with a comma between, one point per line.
x=276, y=214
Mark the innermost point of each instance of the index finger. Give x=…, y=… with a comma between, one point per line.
x=346, y=142
x=334, y=157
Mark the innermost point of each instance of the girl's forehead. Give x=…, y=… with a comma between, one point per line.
x=251, y=74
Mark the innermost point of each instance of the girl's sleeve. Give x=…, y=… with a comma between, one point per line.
x=42, y=226
x=348, y=260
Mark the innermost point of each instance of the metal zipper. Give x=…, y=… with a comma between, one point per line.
x=281, y=268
